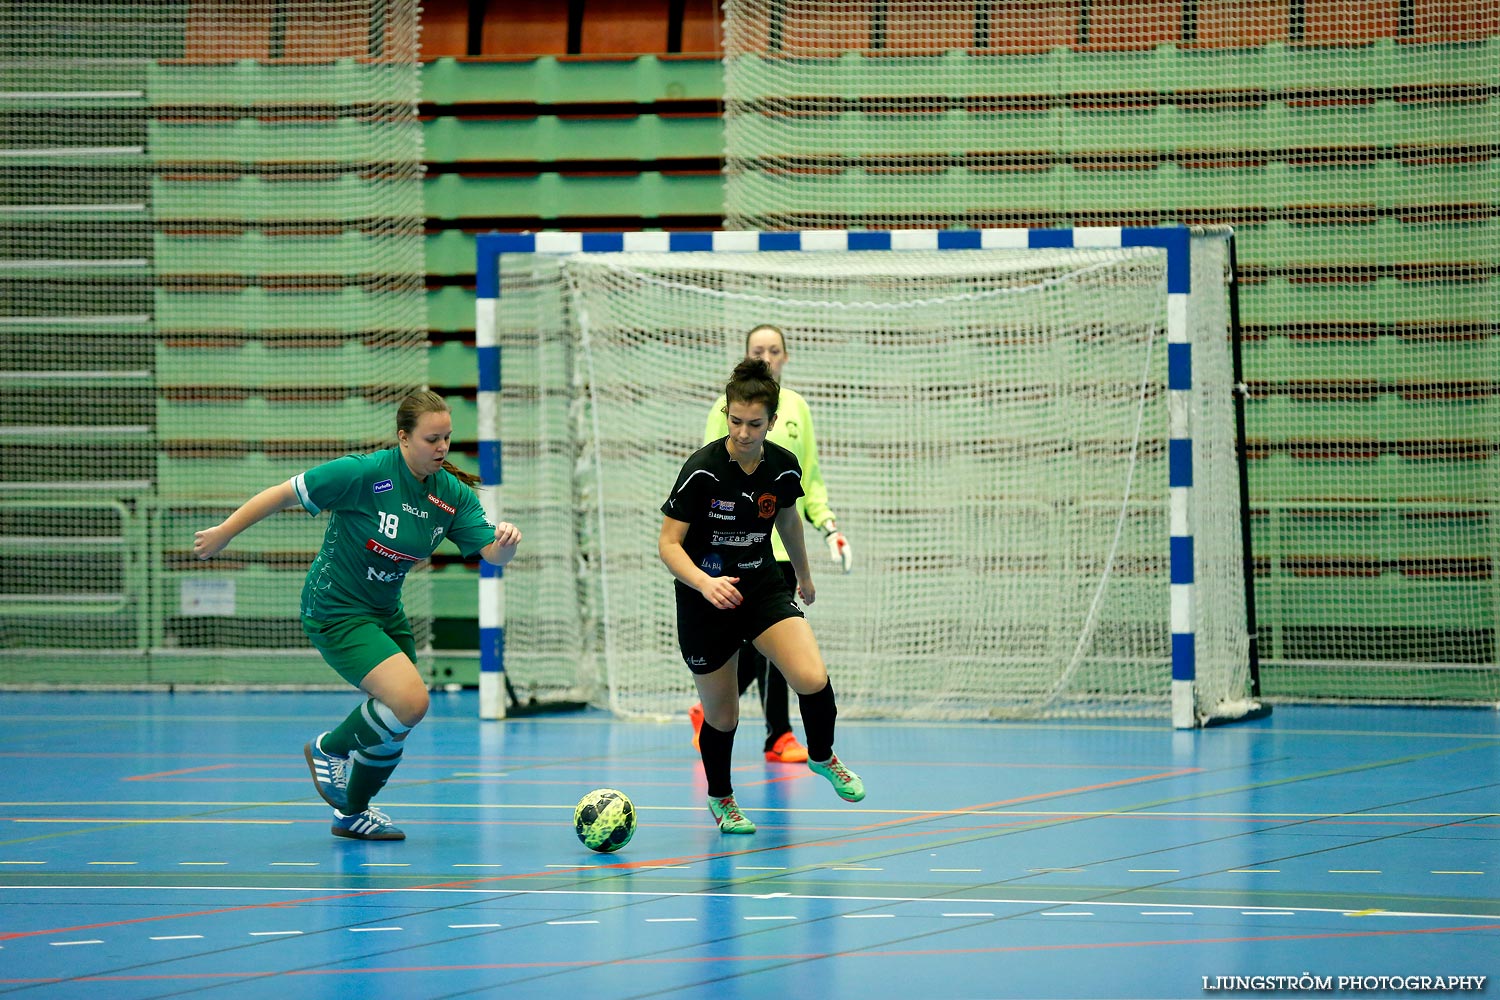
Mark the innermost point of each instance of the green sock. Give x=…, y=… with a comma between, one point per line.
x=367, y=779
x=354, y=733
x=371, y=726
x=371, y=737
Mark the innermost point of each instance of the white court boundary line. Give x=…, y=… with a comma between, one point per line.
x=499, y=890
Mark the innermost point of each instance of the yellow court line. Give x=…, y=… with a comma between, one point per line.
x=1145, y=813
x=153, y=822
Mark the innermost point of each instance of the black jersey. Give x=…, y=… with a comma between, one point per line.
x=730, y=514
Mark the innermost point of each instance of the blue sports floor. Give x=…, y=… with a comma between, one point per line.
x=157, y=845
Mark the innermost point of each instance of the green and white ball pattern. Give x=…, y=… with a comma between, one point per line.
x=604, y=820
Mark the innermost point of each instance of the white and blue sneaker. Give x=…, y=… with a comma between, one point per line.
x=330, y=773
x=372, y=824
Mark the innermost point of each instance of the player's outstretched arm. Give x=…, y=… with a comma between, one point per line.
x=503, y=549
x=211, y=541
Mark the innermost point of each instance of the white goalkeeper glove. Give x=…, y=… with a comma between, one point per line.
x=838, y=545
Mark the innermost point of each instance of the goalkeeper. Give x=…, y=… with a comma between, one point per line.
x=793, y=430
x=387, y=511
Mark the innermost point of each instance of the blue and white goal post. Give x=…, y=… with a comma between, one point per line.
x=1200, y=665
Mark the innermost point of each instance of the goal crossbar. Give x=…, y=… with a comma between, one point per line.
x=1188, y=706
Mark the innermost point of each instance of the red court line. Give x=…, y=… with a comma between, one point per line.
x=780, y=957
x=185, y=770
x=921, y=817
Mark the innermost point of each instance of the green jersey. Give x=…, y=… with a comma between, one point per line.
x=794, y=432
x=382, y=520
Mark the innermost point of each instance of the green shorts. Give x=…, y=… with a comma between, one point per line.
x=359, y=643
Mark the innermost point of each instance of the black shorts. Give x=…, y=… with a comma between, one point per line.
x=709, y=636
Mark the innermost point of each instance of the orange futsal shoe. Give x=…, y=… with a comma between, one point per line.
x=695, y=718
x=786, y=750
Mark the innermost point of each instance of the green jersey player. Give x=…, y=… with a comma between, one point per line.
x=387, y=511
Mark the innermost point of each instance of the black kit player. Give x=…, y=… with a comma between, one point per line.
x=716, y=540
x=387, y=511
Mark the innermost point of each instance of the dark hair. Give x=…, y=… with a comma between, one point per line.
x=411, y=410
x=752, y=383
x=765, y=326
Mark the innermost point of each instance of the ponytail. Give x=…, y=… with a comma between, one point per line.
x=467, y=478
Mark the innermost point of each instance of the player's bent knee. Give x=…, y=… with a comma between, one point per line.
x=724, y=722
x=397, y=684
x=413, y=708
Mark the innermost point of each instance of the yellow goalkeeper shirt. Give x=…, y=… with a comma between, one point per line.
x=794, y=432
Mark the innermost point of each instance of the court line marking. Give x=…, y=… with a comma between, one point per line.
x=312, y=896
x=988, y=809
x=700, y=961
x=136, y=821
x=1070, y=814
x=178, y=937
x=169, y=774
x=1056, y=793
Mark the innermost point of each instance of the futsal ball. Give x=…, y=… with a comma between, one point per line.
x=604, y=820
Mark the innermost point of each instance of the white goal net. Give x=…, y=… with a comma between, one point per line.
x=993, y=431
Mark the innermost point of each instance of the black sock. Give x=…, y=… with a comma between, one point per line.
x=716, y=747
x=818, y=713
x=773, y=700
